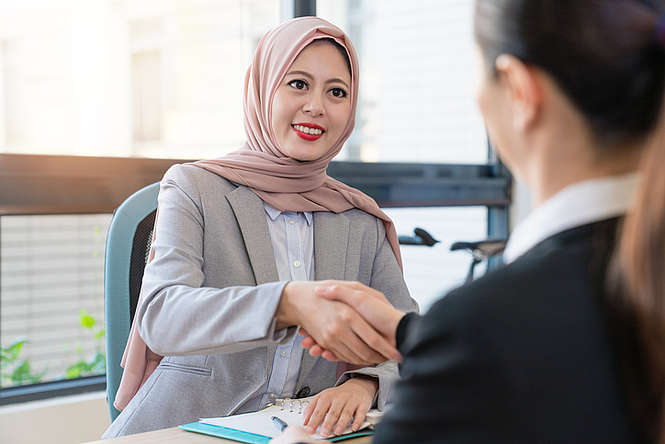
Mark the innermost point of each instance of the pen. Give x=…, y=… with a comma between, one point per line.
x=279, y=423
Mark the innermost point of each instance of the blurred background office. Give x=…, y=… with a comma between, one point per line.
x=162, y=79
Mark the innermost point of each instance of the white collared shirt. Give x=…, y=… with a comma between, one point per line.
x=578, y=204
x=292, y=237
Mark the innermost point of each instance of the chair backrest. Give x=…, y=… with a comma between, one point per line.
x=127, y=247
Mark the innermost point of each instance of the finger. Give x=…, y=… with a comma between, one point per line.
x=365, y=354
x=319, y=413
x=329, y=356
x=332, y=417
x=369, y=291
x=347, y=345
x=344, y=346
x=308, y=342
x=315, y=351
x=359, y=417
x=310, y=409
x=351, y=293
x=345, y=418
x=349, y=348
x=375, y=341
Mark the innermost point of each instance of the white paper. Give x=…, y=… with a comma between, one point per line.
x=290, y=411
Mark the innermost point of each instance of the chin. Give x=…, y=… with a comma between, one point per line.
x=306, y=154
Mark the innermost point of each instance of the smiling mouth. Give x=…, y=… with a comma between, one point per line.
x=308, y=131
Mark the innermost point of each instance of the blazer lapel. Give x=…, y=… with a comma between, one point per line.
x=331, y=237
x=251, y=216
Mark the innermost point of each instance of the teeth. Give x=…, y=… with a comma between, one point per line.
x=308, y=130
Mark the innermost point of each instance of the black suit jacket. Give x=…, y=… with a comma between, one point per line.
x=522, y=355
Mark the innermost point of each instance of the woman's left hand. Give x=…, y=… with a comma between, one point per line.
x=334, y=408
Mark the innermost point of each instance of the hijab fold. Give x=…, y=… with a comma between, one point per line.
x=284, y=183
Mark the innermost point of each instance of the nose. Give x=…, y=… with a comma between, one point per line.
x=314, y=105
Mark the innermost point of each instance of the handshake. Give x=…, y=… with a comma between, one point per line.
x=341, y=321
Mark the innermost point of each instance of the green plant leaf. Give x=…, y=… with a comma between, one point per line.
x=22, y=374
x=87, y=321
x=98, y=363
x=100, y=334
x=10, y=354
x=75, y=370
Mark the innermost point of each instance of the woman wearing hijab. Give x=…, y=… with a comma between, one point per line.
x=237, y=240
x=566, y=343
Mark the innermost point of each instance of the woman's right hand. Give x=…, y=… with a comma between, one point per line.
x=334, y=325
x=371, y=304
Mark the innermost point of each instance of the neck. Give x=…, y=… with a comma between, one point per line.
x=577, y=160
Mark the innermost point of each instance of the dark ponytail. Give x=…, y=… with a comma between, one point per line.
x=608, y=57
x=603, y=54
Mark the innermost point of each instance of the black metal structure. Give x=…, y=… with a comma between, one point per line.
x=39, y=184
x=303, y=8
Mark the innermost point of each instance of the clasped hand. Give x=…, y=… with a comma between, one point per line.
x=334, y=321
x=343, y=321
x=367, y=302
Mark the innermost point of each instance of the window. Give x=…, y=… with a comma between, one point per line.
x=127, y=78
x=430, y=272
x=52, y=287
x=416, y=84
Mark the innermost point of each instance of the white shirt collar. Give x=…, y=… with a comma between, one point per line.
x=273, y=213
x=578, y=204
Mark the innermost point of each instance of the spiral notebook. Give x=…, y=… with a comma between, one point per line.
x=258, y=428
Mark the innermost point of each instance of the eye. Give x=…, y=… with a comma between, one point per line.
x=298, y=84
x=338, y=92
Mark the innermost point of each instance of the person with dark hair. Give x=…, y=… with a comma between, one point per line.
x=566, y=342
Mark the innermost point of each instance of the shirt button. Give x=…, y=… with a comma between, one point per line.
x=297, y=264
x=283, y=353
x=291, y=221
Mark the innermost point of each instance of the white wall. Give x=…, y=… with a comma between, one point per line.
x=65, y=420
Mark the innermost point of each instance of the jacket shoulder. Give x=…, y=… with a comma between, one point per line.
x=196, y=181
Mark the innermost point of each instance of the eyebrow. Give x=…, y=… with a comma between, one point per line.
x=308, y=75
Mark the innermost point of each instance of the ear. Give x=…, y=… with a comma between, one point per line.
x=525, y=93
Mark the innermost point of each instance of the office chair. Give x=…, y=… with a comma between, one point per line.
x=127, y=247
x=480, y=250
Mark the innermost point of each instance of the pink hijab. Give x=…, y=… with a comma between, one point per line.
x=284, y=183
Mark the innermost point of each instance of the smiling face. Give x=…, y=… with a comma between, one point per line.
x=312, y=104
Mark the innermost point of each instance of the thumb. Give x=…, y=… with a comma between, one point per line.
x=337, y=293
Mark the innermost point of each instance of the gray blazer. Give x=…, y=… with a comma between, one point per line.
x=205, y=307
